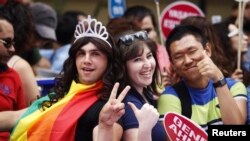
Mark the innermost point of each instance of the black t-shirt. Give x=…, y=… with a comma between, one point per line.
x=87, y=122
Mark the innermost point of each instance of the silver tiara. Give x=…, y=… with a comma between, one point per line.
x=91, y=28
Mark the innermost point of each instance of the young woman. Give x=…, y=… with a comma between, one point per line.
x=146, y=20
x=139, y=69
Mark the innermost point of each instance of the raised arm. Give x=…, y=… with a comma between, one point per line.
x=108, y=129
x=236, y=112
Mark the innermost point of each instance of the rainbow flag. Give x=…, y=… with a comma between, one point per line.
x=58, y=122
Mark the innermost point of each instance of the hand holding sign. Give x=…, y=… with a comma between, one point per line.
x=179, y=127
x=175, y=12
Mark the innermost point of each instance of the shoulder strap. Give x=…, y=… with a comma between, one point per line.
x=185, y=98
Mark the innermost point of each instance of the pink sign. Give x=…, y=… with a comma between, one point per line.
x=175, y=12
x=180, y=128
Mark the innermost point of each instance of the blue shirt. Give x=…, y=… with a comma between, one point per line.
x=205, y=104
x=60, y=55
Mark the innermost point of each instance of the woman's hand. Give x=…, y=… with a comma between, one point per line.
x=114, y=108
x=142, y=115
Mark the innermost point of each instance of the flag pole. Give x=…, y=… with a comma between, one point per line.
x=240, y=20
x=159, y=20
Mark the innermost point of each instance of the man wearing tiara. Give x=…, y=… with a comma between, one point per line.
x=82, y=97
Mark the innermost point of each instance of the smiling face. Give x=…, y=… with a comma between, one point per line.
x=185, y=54
x=91, y=64
x=141, y=69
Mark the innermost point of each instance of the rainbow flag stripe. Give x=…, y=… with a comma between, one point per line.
x=58, y=122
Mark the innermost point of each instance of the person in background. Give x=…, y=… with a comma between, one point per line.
x=11, y=92
x=210, y=92
x=45, y=21
x=65, y=35
x=228, y=36
x=27, y=51
x=119, y=25
x=234, y=10
x=246, y=30
x=136, y=54
x=19, y=16
x=246, y=62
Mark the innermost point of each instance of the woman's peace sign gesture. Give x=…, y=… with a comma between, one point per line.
x=110, y=114
x=114, y=108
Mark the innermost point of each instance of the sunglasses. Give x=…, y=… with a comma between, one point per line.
x=7, y=42
x=129, y=38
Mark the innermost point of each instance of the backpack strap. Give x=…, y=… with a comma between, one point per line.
x=185, y=98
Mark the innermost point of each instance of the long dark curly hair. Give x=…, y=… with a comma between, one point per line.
x=69, y=72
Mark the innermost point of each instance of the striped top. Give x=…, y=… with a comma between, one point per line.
x=205, y=105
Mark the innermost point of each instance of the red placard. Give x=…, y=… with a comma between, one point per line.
x=180, y=128
x=175, y=12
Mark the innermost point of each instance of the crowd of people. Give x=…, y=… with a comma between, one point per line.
x=116, y=82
